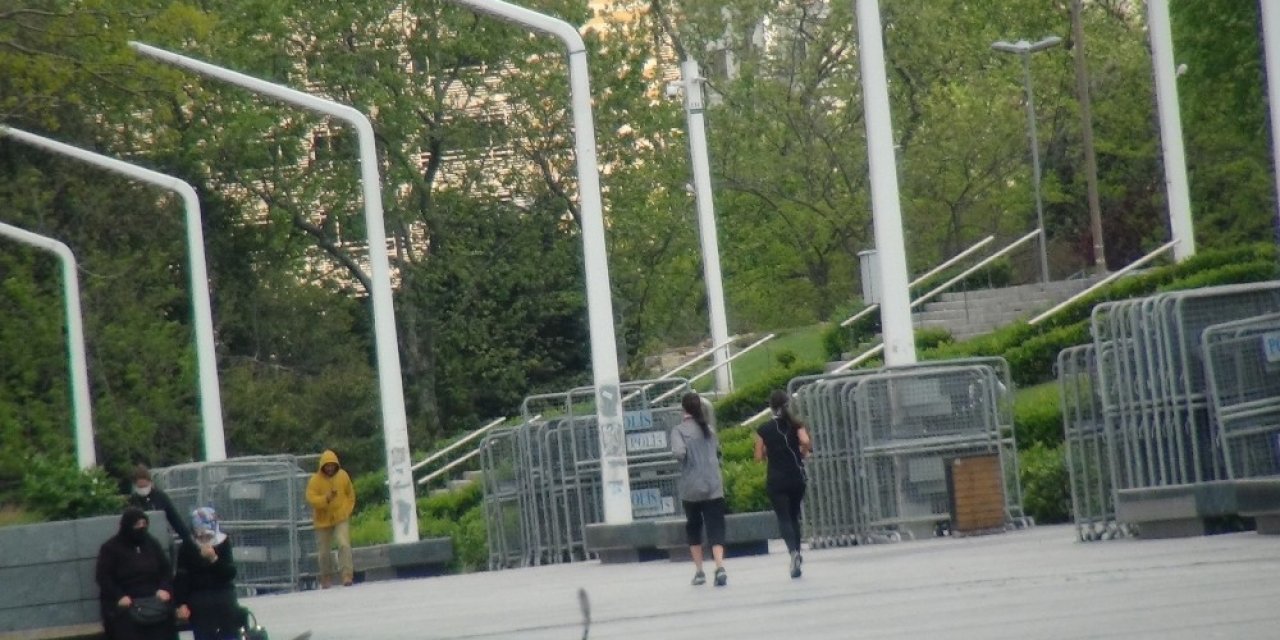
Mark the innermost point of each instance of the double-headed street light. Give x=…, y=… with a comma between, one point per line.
x=1024, y=50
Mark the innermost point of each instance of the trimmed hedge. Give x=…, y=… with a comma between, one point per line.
x=1046, y=487
x=1037, y=416
x=749, y=399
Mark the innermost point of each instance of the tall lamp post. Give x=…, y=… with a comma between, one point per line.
x=1024, y=50
x=694, y=108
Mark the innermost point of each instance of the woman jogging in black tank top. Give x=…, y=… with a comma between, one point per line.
x=784, y=443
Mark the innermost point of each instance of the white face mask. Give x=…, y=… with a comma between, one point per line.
x=143, y=491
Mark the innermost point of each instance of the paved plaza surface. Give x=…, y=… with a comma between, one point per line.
x=1038, y=583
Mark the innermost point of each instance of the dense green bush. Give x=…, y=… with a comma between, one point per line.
x=451, y=505
x=749, y=399
x=57, y=489
x=1037, y=416
x=737, y=449
x=372, y=525
x=469, y=536
x=1046, y=488
x=457, y=515
x=371, y=489
x=932, y=338
x=744, y=486
x=1033, y=360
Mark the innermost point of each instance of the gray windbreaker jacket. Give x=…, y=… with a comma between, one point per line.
x=699, y=462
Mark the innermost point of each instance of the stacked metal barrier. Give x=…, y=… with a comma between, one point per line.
x=1153, y=384
x=542, y=478
x=1242, y=365
x=261, y=503
x=1090, y=454
x=884, y=439
x=1138, y=404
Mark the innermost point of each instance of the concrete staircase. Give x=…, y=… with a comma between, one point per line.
x=972, y=313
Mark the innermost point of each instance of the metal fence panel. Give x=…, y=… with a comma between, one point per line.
x=261, y=502
x=1242, y=366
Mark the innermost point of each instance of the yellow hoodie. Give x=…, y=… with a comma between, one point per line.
x=332, y=498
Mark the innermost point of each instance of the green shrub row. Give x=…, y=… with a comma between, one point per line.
x=458, y=515
x=749, y=399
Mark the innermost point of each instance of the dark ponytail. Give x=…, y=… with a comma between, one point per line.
x=778, y=401
x=692, y=404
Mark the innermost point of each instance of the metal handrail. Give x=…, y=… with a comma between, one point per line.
x=448, y=467
x=866, y=355
x=696, y=358
x=712, y=368
x=971, y=270
x=680, y=368
x=879, y=347
x=465, y=439
x=954, y=259
x=1105, y=281
x=929, y=274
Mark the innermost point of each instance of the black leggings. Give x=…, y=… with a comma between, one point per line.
x=712, y=511
x=786, y=506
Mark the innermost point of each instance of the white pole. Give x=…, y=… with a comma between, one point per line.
x=1175, y=163
x=404, y=514
x=895, y=304
x=604, y=350
x=694, y=107
x=81, y=409
x=1271, y=49
x=215, y=445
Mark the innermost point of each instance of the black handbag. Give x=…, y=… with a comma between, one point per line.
x=251, y=630
x=150, y=611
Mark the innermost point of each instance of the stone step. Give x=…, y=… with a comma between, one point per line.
x=474, y=475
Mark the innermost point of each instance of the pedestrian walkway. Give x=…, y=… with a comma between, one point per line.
x=1038, y=583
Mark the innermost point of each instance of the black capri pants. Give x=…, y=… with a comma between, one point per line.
x=708, y=512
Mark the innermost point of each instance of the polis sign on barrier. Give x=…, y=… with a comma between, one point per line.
x=1271, y=346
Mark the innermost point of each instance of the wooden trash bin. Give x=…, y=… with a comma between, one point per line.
x=975, y=486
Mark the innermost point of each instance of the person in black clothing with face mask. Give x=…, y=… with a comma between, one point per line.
x=131, y=565
x=148, y=497
x=784, y=442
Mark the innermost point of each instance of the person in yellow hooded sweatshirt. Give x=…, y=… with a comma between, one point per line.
x=332, y=499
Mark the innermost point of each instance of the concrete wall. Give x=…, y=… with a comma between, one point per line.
x=46, y=571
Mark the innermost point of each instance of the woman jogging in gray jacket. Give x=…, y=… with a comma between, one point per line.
x=697, y=448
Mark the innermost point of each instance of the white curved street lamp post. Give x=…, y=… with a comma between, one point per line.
x=604, y=350
x=700, y=163
x=895, y=304
x=404, y=514
x=215, y=446
x=81, y=411
x=1175, y=161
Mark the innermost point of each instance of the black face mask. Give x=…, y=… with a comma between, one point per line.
x=136, y=536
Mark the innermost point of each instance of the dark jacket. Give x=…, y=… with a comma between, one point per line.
x=158, y=500
x=208, y=588
x=129, y=565
x=196, y=573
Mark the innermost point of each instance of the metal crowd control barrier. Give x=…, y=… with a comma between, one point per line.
x=884, y=440
x=1175, y=389
x=1090, y=455
x=542, y=478
x=1152, y=374
x=1242, y=365
x=261, y=503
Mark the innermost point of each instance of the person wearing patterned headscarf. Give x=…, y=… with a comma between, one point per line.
x=205, y=586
